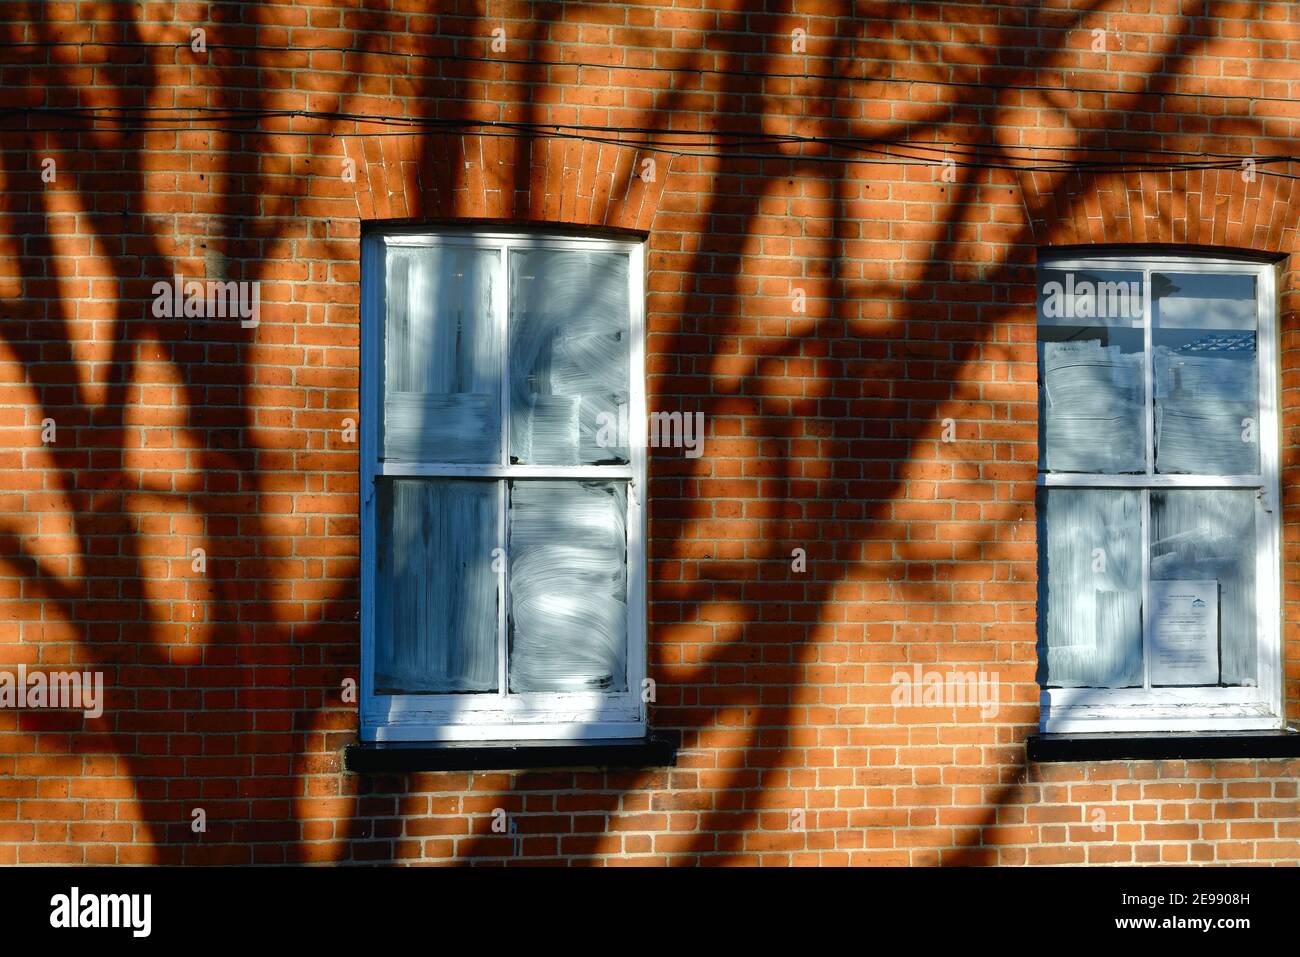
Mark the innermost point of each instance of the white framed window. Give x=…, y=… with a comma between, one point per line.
x=502, y=487
x=1159, y=606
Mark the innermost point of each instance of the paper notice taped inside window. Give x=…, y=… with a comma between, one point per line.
x=1184, y=632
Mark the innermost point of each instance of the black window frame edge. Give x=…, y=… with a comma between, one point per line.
x=1163, y=746
x=658, y=749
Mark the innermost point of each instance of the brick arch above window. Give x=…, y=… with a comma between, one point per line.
x=488, y=177
x=1210, y=208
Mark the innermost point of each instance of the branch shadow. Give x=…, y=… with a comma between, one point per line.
x=741, y=702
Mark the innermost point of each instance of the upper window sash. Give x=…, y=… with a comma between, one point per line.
x=1266, y=434
x=506, y=245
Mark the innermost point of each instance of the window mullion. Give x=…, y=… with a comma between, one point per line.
x=503, y=589
x=1149, y=413
x=613, y=473
x=1146, y=588
x=1148, y=373
x=1088, y=480
x=503, y=327
x=503, y=485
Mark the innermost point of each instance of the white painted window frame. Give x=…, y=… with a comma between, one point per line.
x=501, y=715
x=1068, y=710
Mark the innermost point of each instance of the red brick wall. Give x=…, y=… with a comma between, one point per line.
x=824, y=426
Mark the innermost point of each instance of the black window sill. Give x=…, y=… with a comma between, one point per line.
x=1158, y=746
x=658, y=750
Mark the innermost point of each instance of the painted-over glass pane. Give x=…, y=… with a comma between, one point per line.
x=1092, y=568
x=1090, y=371
x=436, y=594
x=442, y=355
x=570, y=335
x=1207, y=539
x=568, y=586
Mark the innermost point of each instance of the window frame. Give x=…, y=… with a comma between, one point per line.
x=500, y=715
x=1073, y=710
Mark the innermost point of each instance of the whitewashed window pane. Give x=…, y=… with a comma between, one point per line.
x=1091, y=372
x=436, y=591
x=1208, y=536
x=568, y=586
x=1206, y=369
x=442, y=362
x=1091, y=550
x=570, y=333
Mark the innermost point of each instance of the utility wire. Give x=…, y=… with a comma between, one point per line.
x=893, y=160
x=735, y=145
x=649, y=68
x=114, y=114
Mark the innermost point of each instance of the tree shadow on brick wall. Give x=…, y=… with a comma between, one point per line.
x=189, y=708
x=202, y=709
x=762, y=666
x=759, y=664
